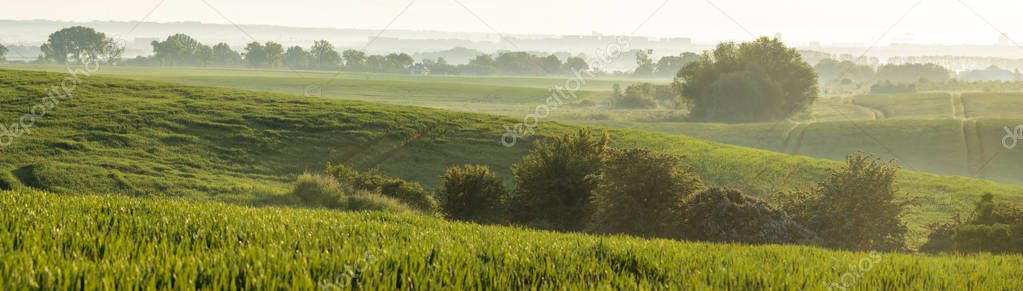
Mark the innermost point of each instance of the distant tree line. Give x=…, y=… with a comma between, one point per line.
x=510, y=63
x=183, y=50
x=3, y=53
x=666, y=66
x=832, y=71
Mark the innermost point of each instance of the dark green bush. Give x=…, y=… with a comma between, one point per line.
x=726, y=215
x=411, y=193
x=756, y=81
x=640, y=95
x=640, y=191
x=993, y=227
x=988, y=212
x=856, y=207
x=472, y=193
x=556, y=180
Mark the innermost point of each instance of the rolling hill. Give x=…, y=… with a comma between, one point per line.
x=158, y=139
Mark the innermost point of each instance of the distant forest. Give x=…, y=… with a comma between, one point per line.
x=71, y=44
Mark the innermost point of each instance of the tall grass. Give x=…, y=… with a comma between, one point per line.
x=52, y=241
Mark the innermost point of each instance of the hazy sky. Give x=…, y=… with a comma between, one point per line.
x=860, y=21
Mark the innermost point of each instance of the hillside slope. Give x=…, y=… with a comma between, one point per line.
x=101, y=242
x=148, y=138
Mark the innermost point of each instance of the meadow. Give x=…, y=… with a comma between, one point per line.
x=145, y=138
x=943, y=133
x=114, y=242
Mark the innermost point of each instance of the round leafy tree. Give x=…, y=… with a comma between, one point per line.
x=750, y=82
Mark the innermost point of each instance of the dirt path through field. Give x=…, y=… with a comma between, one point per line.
x=974, y=141
x=958, y=107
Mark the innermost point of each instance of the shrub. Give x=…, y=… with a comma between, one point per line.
x=856, y=207
x=940, y=238
x=640, y=191
x=318, y=190
x=472, y=193
x=556, y=180
x=988, y=212
x=993, y=227
x=639, y=95
x=369, y=201
x=726, y=215
x=325, y=191
x=410, y=193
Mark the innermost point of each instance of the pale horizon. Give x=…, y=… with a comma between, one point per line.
x=950, y=22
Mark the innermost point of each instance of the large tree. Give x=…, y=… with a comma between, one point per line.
x=79, y=44
x=3, y=53
x=556, y=180
x=261, y=56
x=224, y=56
x=640, y=192
x=857, y=207
x=297, y=58
x=644, y=63
x=756, y=81
x=181, y=49
x=324, y=56
x=354, y=59
x=274, y=54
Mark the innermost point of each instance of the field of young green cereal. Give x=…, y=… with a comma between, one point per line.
x=50, y=241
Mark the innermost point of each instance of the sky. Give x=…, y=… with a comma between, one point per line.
x=799, y=21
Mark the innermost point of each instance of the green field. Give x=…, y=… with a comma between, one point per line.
x=208, y=167
x=324, y=77
x=923, y=131
x=159, y=139
x=102, y=242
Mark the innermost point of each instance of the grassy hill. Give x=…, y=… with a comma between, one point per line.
x=929, y=132
x=101, y=242
x=159, y=139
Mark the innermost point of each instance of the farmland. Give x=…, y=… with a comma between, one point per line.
x=94, y=242
x=943, y=133
x=160, y=139
x=209, y=166
x=226, y=145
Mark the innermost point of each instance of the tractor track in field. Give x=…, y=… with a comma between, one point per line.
x=975, y=155
x=794, y=136
x=966, y=141
x=878, y=113
x=981, y=171
x=365, y=147
x=958, y=107
x=405, y=144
